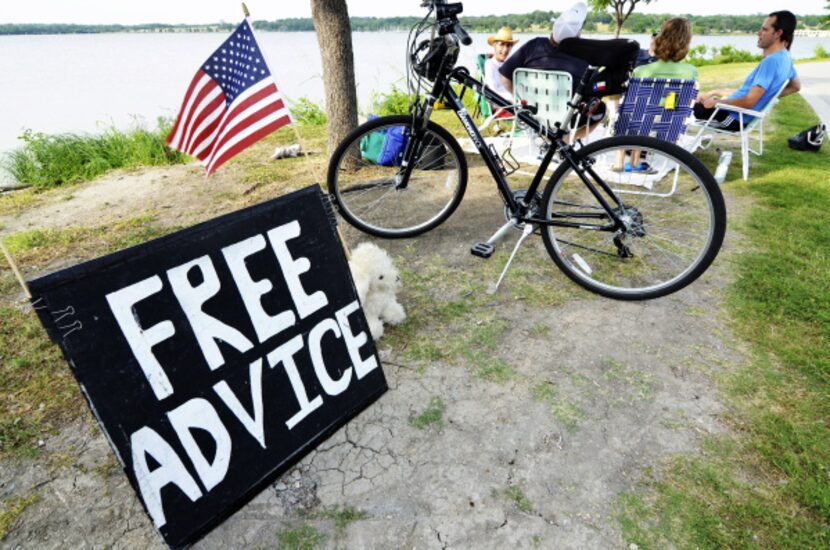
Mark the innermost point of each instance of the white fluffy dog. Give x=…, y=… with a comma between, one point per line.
x=377, y=280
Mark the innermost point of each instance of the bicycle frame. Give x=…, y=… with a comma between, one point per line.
x=520, y=208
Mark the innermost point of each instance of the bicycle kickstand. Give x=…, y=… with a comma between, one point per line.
x=528, y=230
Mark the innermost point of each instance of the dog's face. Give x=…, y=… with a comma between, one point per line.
x=375, y=265
x=386, y=277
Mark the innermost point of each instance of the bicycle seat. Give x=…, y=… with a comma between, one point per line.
x=616, y=56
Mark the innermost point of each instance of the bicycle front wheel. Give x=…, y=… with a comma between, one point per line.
x=372, y=190
x=672, y=212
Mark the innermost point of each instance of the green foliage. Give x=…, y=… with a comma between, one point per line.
x=821, y=53
x=307, y=113
x=564, y=410
x=702, y=55
x=622, y=9
x=36, y=387
x=342, y=516
x=434, y=414
x=11, y=509
x=535, y=21
x=304, y=537
x=47, y=161
x=394, y=102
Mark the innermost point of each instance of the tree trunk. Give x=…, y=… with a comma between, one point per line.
x=334, y=33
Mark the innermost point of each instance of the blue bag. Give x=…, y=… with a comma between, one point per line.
x=384, y=147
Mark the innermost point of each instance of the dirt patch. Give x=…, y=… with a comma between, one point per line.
x=554, y=401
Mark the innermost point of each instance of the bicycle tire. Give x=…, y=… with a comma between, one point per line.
x=367, y=194
x=674, y=228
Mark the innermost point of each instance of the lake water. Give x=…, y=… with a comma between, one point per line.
x=83, y=83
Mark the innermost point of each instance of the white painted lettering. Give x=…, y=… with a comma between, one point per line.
x=254, y=423
x=171, y=470
x=362, y=367
x=252, y=291
x=285, y=355
x=315, y=338
x=207, y=328
x=199, y=413
x=292, y=269
x=142, y=340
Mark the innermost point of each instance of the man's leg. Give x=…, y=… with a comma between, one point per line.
x=723, y=119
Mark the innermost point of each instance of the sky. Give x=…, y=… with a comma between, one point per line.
x=130, y=12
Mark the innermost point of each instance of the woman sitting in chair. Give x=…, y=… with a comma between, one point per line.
x=670, y=47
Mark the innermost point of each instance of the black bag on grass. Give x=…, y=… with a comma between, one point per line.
x=808, y=140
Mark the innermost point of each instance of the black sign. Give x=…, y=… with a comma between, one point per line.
x=216, y=357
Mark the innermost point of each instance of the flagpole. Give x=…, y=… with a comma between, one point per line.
x=293, y=124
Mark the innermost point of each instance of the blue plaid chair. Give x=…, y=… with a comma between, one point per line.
x=656, y=107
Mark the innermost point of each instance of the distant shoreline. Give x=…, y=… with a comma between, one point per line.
x=534, y=22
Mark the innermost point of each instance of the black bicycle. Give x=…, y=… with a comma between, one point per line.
x=624, y=235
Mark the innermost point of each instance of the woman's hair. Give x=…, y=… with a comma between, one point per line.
x=672, y=43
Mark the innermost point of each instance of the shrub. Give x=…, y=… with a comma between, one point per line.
x=50, y=160
x=394, y=102
x=820, y=52
x=307, y=113
x=701, y=55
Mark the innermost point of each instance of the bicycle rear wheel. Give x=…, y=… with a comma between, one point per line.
x=673, y=215
x=371, y=190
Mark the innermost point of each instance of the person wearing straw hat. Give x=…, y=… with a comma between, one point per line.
x=502, y=43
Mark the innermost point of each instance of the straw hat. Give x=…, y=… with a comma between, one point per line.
x=505, y=34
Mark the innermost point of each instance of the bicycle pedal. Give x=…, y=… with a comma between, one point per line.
x=482, y=250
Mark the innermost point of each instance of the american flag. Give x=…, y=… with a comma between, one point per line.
x=231, y=103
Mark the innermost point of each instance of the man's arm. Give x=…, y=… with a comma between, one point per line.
x=792, y=87
x=723, y=92
x=747, y=102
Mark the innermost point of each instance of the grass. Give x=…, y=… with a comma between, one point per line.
x=303, y=537
x=568, y=413
x=518, y=498
x=448, y=316
x=46, y=161
x=342, y=516
x=11, y=509
x=766, y=484
x=433, y=415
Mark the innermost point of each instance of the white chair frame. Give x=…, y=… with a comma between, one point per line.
x=745, y=129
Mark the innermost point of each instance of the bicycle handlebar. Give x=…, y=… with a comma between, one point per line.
x=462, y=34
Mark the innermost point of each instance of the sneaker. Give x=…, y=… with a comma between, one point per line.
x=644, y=168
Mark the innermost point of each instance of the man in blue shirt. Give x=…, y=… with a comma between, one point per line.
x=776, y=68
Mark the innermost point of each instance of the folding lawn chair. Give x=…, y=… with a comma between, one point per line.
x=657, y=107
x=550, y=91
x=749, y=121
